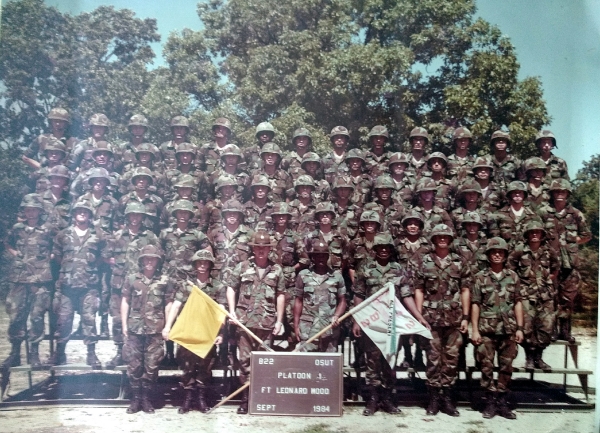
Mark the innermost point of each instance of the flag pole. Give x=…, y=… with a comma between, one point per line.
x=229, y=397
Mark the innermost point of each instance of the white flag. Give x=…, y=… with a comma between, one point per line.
x=385, y=319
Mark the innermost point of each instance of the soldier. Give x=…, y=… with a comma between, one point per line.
x=180, y=129
x=231, y=160
x=362, y=182
x=361, y=247
x=257, y=211
x=419, y=139
x=405, y=182
x=280, y=181
x=59, y=122
x=142, y=179
x=376, y=160
x=147, y=296
x=226, y=188
x=346, y=212
x=256, y=298
x=184, y=187
x=55, y=154
x=104, y=205
x=460, y=162
x=121, y=253
x=497, y=319
x=265, y=133
x=537, y=266
x=102, y=156
x=311, y=166
x=303, y=206
x=545, y=141
x=137, y=127
x=77, y=248
x=302, y=143
x=145, y=155
x=185, y=156
x=506, y=167
x=339, y=137
x=491, y=194
x=319, y=300
x=380, y=377
x=471, y=245
x=431, y=212
x=567, y=229
x=468, y=200
x=327, y=232
x=29, y=245
x=446, y=186
x=442, y=295
x=210, y=153
x=56, y=199
x=537, y=191
x=390, y=210
x=81, y=156
x=196, y=371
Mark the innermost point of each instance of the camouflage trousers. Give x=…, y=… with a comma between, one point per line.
x=27, y=301
x=568, y=288
x=143, y=353
x=379, y=372
x=105, y=277
x=196, y=370
x=443, y=352
x=485, y=353
x=540, y=317
x=66, y=301
x=246, y=345
x=328, y=342
x=115, y=313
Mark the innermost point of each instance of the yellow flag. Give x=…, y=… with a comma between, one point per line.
x=198, y=324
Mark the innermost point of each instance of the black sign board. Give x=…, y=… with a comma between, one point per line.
x=293, y=383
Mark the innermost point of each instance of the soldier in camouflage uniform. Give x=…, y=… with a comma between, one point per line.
x=363, y=182
x=180, y=128
x=468, y=199
x=147, y=296
x=391, y=211
x=471, y=245
x=567, y=229
x=376, y=160
x=55, y=154
x=81, y=157
x=302, y=143
x=497, y=319
x=460, y=162
x=121, y=253
x=327, y=232
x=265, y=133
x=361, y=247
x=184, y=187
x=339, y=137
x=405, y=181
x=537, y=190
x=346, y=212
x=210, y=153
x=56, y=199
x=145, y=155
x=280, y=181
x=102, y=156
x=319, y=300
x=446, y=186
x=231, y=161
x=137, y=127
x=491, y=195
x=59, y=121
x=185, y=156
x=311, y=166
x=419, y=140
x=537, y=266
x=371, y=276
x=142, y=179
x=196, y=371
x=545, y=141
x=303, y=206
x=256, y=297
x=443, y=296
x=77, y=248
x=226, y=190
x=433, y=215
x=29, y=244
x=506, y=166
x=257, y=211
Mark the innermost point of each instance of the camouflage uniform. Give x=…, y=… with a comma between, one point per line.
x=229, y=248
x=288, y=252
x=506, y=171
x=508, y=226
x=36, y=148
x=168, y=153
x=459, y=168
x=281, y=184
x=57, y=210
x=338, y=247
x=105, y=210
x=556, y=167
x=436, y=216
x=255, y=217
x=180, y=246
x=153, y=203
x=346, y=219
x=303, y=217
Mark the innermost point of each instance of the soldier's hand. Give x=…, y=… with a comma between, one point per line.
x=335, y=321
x=165, y=333
x=356, y=330
x=425, y=323
x=519, y=337
x=464, y=326
x=476, y=338
x=278, y=328
x=233, y=318
x=219, y=339
x=297, y=335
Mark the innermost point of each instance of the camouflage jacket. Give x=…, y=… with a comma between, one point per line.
x=534, y=270
x=363, y=185
x=404, y=190
x=410, y=255
x=209, y=157
x=256, y=218
x=81, y=158
x=473, y=253
x=213, y=288
x=39, y=181
x=38, y=146
x=446, y=192
x=153, y=203
x=34, y=246
x=459, y=168
x=433, y=218
x=359, y=251
x=441, y=286
x=346, y=219
x=371, y=277
x=332, y=166
x=282, y=186
x=289, y=251
x=458, y=216
x=180, y=246
x=338, y=247
x=506, y=171
x=81, y=185
x=57, y=211
x=105, y=211
x=303, y=218
x=256, y=297
x=167, y=219
x=127, y=158
x=202, y=190
x=496, y=298
x=376, y=165
x=557, y=169
x=417, y=168
x=536, y=199
x=229, y=251
x=147, y=299
x=159, y=182
x=292, y=163
x=492, y=198
x=506, y=224
x=391, y=216
x=242, y=192
x=168, y=151
x=252, y=157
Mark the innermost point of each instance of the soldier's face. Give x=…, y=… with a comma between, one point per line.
x=383, y=193
x=54, y=156
x=260, y=191
x=32, y=213
x=370, y=226
x=134, y=219
x=417, y=143
x=144, y=158
x=344, y=192
x=560, y=195
x=471, y=228
x=482, y=173
x=184, y=192
x=545, y=145
x=98, y=131
x=203, y=266
x=437, y=165
x=517, y=196
x=536, y=174
x=269, y=158
x=232, y=218
x=304, y=191
x=442, y=242
x=500, y=144
x=261, y=252
x=325, y=218
x=231, y=160
x=82, y=216
x=58, y=126
x=311, y=167
x=265, y=136
x=98, y=184
x=377, y=143
x=220, y=131
x=471, y=196
x=496, y=256
x=320, y=259
x=462, y=143
x=101, y=157
x=179, y=132
x=301, y=142
x=383, y=252
x=398, y=168
x=535, y=236
x=281, y=220
x=137, y=130
x=427, y=196
x=141, y=182
x=413, y=227
x=185, y=158
x=355, y=164
x=149, y=264
x=227, y=191
x=182, y=216
x=339, y=142
x=58, y=182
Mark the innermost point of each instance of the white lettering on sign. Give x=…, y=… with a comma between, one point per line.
x=265, y=389
x=266, y=361
x=324, y=362
x=294, y=375
x=265, y=407
x=291, y=390
x=321, y=409
x=320, y=391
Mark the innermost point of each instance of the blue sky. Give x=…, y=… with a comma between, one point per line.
x=556, y=40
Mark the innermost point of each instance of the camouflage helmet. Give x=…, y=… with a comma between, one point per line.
x=413, y=215
x=271, y=147
x=500, y=134
x=261, y=238
x=99, y=119
x=310, y=157
x=324, y=207
x=516, y=185
x=231, y=150
x=260, y=180
x=379, y=130
x=226, y=180
x=370, y=215
x=441, y=230
x=398, y=158
x=535, y=163
x=59, y=171
x=185, y=180
x=461, y=132
x=138, y=120
x=561, y=185
x=482, y=162
x=438, y=155
x=265, y=127
x=148, y=148
x=301, y=132
x=186, y=148
x=281, y=208
x=59, y=114
x=142, y=171
x=56, y=145
x=304, y=180
x=103, y=146
x=472, y=217
x=182, y=205
x=180, y=121
x=203, y=255
x=496, y=243
x=232, y=205
x=150, y=251
x=342, y=182
x=32, y=200
x=426, y=184
x=222, y=121
x=419, y=132
x=317, y=246
x=355, y=153
x=384, y=182
x=339, y=130
x=135, y=207
x=470, y=185
x=534, y=224
x=98, y=173
x=83, y=204
x=383, y=239
x=545, y=133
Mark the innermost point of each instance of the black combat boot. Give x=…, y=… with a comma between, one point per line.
x=529, y=364
x=243, y=408
x=373, y=402
x=538, y=361
x=34, y=355
x=386, y=404
x=433, y=407
x=14, y=358
x=91, y=359
x=490, y=407
x=118, y=358
x=104, y=326
x=146, y=391
x=503, y=409
x=202, y=405
x=58, y=357
x=447, y=405
x=136, y=398
x=187, y=402
x=565, y=331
